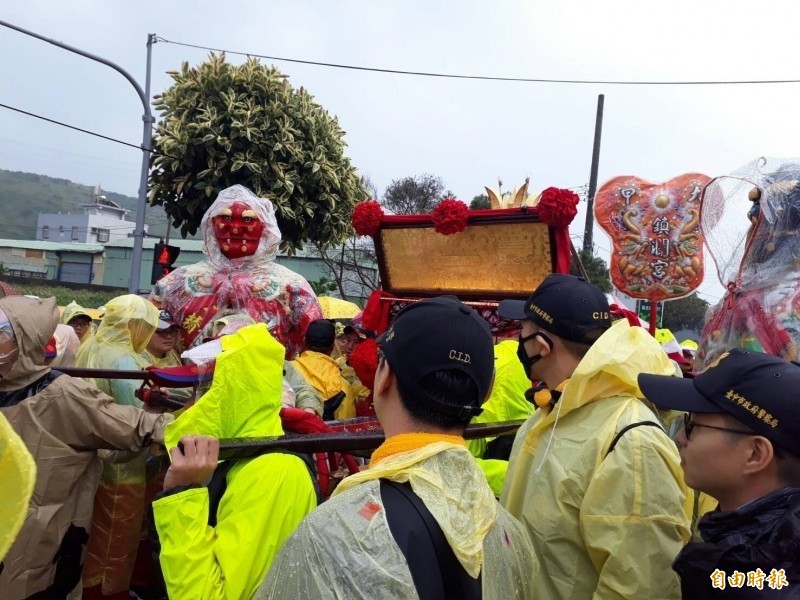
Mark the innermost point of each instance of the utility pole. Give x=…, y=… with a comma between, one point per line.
x=598, y=131
x=147, y=144
x=147, y=137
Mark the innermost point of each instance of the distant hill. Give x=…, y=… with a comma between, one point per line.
x=24, y=195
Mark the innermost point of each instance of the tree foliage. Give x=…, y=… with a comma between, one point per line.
x=685, y=313
x=480, y=202
x=223, y=124
x=596, y=270
x=353, y=267
x=414, y=195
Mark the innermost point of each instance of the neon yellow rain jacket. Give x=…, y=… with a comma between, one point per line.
x=266, y=497
x=603, y=524
x=345, y=549
x=507, y=402
x=18, y=473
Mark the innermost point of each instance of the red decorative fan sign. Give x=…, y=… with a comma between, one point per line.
x=655, y=231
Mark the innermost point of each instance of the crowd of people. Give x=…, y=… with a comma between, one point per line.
x=630, y=477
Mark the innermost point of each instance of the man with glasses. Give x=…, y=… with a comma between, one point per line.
x=161, y=349
x=741, y=445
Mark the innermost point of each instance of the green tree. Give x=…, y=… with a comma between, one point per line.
x=596, y=270
x=323, y=286
x=414, y=195
x=685, y=313
x=223, y=124
x=480, y=202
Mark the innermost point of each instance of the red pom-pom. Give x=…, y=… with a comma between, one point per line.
x=558, y=207
x=367, y=218
x=450, y=216
x=364, y=360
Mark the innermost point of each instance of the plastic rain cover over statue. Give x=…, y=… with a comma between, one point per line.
x=751, y=220
x=240, y=240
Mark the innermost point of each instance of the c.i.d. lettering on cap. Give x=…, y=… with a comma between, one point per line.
x=460, y=356
x=601, y=315
x=541, y=313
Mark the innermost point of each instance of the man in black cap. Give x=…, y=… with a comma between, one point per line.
x=322, y=373
x=422, y=520
x=592, y=474
x=741, y=445
x=162, y=348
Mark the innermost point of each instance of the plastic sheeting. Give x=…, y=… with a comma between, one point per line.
x=198, y=295
x=17, y=473
x=755, y=243
x=344, y=549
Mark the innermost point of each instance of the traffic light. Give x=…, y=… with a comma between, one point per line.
x=163, y=258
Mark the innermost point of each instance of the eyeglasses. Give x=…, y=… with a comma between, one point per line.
x=172, y=331
x=689, y=425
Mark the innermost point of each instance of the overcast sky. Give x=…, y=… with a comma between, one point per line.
x=467, y=132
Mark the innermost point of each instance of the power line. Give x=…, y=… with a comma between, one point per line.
x=477, y=77
x=94, y=133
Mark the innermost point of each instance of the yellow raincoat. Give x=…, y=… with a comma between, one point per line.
x=324, y=375
x=358, y=389
x=603, y=524
x=119, y=505
x=507, y=402
x=345, y=549
x=18, y=473
x=72, y=310
x=266, y=497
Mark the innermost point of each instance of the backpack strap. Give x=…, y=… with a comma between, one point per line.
x=219, y=482
x=434, y=568
x=628, y=428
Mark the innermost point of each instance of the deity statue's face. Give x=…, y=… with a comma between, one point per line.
x=238, y=230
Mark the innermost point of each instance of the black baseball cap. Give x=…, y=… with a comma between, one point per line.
x=565, y=305
x=439, y=334
x=321, y=333
x=756, y=389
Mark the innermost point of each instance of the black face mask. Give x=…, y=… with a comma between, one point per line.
x=522, y=354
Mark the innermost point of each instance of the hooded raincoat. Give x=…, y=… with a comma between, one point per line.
x=118, y=344
x=603, y=524
x=345, y=549
x=199, y=294
x=63, y=424
x=72, y=310
x=265, y=498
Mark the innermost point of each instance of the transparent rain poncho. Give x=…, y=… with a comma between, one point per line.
x=751, y=223
x=344, y=549
x=127, y=326
x=198, y=295
x=72, y=310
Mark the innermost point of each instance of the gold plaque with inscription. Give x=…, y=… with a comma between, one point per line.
x=491, y=260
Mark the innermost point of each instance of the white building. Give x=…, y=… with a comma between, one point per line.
x=101, y=221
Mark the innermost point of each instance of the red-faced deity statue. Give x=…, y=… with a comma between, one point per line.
x=238, y=231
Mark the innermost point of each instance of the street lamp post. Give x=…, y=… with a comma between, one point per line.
x=147, y=137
